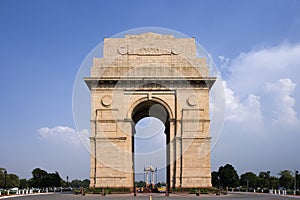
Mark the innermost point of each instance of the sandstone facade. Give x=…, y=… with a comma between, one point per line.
x=136, y=74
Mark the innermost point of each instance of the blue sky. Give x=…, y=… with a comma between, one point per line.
x=255, y=45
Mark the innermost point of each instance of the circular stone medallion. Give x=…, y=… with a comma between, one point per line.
x=106, y=100
x=122, y=50
x=192, y=100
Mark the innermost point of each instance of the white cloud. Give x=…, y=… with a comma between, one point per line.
x=250, y=71
x=265, y=78
x=257, y=89
x=224, y=62
x=284, y=112
x=242, y=111
x=65, y=135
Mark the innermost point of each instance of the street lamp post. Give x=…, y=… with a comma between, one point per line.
x=295, y=184
x=156, y=176
x=67, y=181
x=5, y=173
x=247, y=184
x=219, y=183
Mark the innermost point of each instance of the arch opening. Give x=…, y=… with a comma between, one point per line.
x=150, y=139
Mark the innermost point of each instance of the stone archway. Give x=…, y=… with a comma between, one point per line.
x=152, y=108
x=135, y=74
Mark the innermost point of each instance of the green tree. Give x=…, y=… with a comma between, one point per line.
x=143, y=184
x=228, y=176
x=251, y=178
x=41, y=178
x=12, y=180
x=274, y=182
x=24, y=183
x=264, y=179
x=2, y=177
x=286, y=179
x=298, y=180
x=51, y=180
x=215, y=179
x=64, y=183
x=38, y=173
x=78, y=183
x=86, y=183
x=37, y=178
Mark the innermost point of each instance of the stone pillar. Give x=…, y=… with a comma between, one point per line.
x=147, y=178
x=172, y=154
x=152, y=177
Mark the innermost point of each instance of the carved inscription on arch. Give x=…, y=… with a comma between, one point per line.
x=146, y=50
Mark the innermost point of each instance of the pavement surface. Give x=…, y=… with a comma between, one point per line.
x=233, y=196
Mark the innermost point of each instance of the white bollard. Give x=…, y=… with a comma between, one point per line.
x=7, y=192
x=254, y=191
x=46, y=190
x=278, y=191
x=275, y=191
x=26, y=191
x=39, y=191
x=0, y=192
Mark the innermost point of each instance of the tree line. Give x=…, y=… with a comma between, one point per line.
x=40, y=179
x=227, y=176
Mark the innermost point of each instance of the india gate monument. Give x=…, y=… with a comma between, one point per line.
x=150, y=75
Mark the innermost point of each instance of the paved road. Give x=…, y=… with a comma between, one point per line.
x=154, y=197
